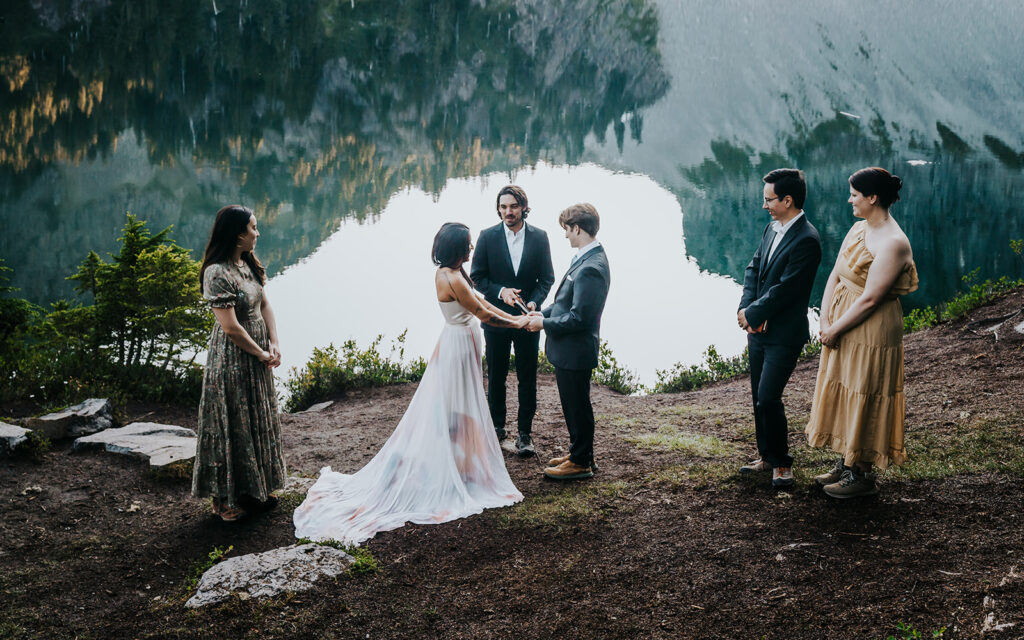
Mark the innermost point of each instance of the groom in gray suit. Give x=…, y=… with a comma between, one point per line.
x=573, y=324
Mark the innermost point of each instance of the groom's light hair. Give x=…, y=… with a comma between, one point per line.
x=582, y=215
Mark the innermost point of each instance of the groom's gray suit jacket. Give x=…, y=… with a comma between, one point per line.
x=573, y=321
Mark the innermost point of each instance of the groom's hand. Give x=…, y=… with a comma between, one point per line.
x=509, y=295
x=536, y=322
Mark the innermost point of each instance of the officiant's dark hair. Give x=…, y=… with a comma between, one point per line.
x=876, y=181
x=231, y=222
x=788, y=182
x=451, y=247
x=517, y=193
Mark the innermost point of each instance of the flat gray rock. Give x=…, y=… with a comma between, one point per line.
x=161, y=444
x=91, y=416
x=264, y=575
x=298, y=484
x=318, y=407
x=11, y=436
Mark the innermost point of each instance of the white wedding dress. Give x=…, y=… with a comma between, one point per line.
x=441, y=463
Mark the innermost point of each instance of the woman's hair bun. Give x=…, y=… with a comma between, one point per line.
x=897, y=184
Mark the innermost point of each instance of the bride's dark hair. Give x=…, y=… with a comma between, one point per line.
x=451, y=247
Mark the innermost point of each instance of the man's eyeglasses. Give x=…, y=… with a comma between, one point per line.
x=770, y=200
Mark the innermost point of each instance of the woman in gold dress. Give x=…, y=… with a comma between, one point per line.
x=858, y=405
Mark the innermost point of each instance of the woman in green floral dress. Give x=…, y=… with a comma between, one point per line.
x=238, y=457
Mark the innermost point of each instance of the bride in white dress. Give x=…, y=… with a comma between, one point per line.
x=442, y=462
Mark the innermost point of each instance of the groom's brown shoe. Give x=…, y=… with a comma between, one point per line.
x=568, y=470
x=554, y=462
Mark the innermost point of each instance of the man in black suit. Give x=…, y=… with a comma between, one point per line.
x=512, y=263
x=573, y=325
x=773, y=311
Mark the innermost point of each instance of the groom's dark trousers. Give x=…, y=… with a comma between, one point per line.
x=491, y=271
x=776, y=292
x=572, y=325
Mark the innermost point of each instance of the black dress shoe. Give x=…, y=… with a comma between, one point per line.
x=524, y=446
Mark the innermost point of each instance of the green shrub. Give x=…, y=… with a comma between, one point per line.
x=613, y=375
x=17, y=320
x=35, y=446
x=330, y=372
x=713, y=368
x=811, y=348
x=976, y=295
x=139, y=332
x=921, y=318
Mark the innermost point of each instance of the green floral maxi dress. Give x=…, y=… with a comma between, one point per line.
x=239, y=447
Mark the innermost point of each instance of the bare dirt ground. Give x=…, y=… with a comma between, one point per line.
x=666, y=541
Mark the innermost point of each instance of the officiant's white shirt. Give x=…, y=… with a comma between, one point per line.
x=515, y=243
x=780, y=232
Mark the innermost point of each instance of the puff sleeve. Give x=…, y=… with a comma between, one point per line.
x=218, y=288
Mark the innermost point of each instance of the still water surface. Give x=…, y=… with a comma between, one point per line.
x=355, y=129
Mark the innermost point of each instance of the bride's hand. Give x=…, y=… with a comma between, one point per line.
x=522, y=322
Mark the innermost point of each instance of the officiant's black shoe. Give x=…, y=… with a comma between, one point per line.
x=568, y=470
x=524, y=446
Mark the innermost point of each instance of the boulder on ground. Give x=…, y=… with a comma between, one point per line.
x=318, y=407
x=161, y=444
x=298, y=484
x=263, y=575
x=11, y=436
x=91, y=416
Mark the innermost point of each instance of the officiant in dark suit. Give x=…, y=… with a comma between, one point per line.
x=512, y=263
x=573, y=327
x=773, y=312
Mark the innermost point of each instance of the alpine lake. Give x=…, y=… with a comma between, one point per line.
x=355, y=129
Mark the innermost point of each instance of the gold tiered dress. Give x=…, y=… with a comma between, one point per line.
x=858, y=407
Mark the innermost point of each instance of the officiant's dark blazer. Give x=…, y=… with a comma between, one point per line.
x=492, y=268
x=777, y=291
x=572, y=323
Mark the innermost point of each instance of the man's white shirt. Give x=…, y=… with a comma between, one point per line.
x=583, y=250
x=780, y=232
x=515, y=243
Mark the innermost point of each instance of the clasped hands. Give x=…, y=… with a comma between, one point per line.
x=534, y=321
x=741, y=319
x=829, y=336
x=274, y=359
